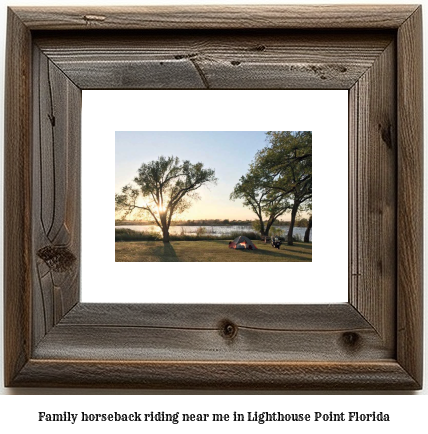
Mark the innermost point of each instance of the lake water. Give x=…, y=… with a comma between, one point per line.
x=210, y=230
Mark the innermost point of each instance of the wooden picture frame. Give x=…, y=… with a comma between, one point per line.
x=372, y=342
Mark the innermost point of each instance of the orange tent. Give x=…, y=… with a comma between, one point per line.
x=242, y=243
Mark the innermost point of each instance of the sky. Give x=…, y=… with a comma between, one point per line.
x=229, y=153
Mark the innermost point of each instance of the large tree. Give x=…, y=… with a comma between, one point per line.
x=308, y=230
x=163, y=189
x=300, y=194
x=268, y=205
x=309, y=225
x=285, y=167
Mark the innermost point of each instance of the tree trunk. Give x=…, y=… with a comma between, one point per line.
x=308, y=230
x=165, y=234
x=165, y=229
x=293, y=220
x=263, y=232
x=269, y=225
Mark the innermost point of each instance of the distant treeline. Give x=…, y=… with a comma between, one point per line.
x=211, y=222
x=130, y=235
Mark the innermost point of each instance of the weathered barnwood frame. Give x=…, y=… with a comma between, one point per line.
x=372, y=342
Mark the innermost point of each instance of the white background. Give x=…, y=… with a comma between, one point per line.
x=324, y=280
x=20, y=412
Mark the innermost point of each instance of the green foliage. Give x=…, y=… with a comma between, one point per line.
x=130, y=235
x=265, y=203
x=286, y=168
x=301, y=223
x=249, y=234
x=279, y=178
x=286, y=165
x=297, y=238
x=201, y=231
x=256, y=225
x=123, y=235
x=276, y=232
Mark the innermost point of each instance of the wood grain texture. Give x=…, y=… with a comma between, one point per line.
x=217, y=17
x=387, y=375
x=374, y=342
x=17, y=199
x=216, y=59
x=373, y=179
x=410, y=197
x=210, y=316
x=198, y=332
x=55, y=194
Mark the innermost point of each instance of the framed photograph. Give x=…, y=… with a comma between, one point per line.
x=54, y=338
x=199, y=189
x=226, y=141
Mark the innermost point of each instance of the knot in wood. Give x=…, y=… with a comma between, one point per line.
x=57, y=258
x=386, y=134
x=186, y=56
x=89, y=18
x=351, y=340
x=257, y=48
x=227, y=329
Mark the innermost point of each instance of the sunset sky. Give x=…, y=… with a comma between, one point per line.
x=228, y=153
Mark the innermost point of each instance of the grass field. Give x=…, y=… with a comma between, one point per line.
x=209, y=251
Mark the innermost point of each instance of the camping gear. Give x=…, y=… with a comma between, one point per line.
x=276, y=242
x=242, y=243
